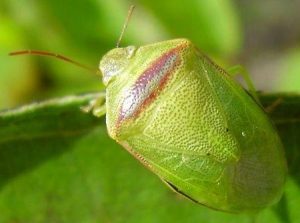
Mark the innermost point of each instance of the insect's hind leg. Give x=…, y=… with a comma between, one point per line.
x=270, y=108
x=96, y=106
x=240, y=70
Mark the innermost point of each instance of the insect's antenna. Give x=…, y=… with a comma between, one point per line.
x=130, y=11
x=58, y=56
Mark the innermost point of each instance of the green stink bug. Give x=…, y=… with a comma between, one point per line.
x=191, y=124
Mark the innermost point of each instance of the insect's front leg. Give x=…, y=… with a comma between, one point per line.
x=96, y=106
x=240, y=70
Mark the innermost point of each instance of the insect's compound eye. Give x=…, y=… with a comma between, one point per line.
x=115, y=61
x=130, y=51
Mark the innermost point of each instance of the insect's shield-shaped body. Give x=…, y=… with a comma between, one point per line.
x=191, y=124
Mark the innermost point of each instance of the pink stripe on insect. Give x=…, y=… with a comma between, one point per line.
x=149, y=84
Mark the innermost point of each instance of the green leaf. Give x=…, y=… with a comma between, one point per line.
x=34, y=133
x=57, y=164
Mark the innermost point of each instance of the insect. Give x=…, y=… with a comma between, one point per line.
x=192, y=124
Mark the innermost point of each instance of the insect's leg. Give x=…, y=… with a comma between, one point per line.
x=240, y=70
x=96, y=106
x=270, y=108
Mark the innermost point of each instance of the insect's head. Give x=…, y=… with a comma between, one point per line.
x=131, y=62
x=114, y=62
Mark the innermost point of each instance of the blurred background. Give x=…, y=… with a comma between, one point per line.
x=263, y=36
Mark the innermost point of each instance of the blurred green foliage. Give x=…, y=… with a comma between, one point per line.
x=290, y=71
x=62, y=184
x=85, y=30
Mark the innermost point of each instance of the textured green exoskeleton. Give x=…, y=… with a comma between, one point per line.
x=190, y=123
